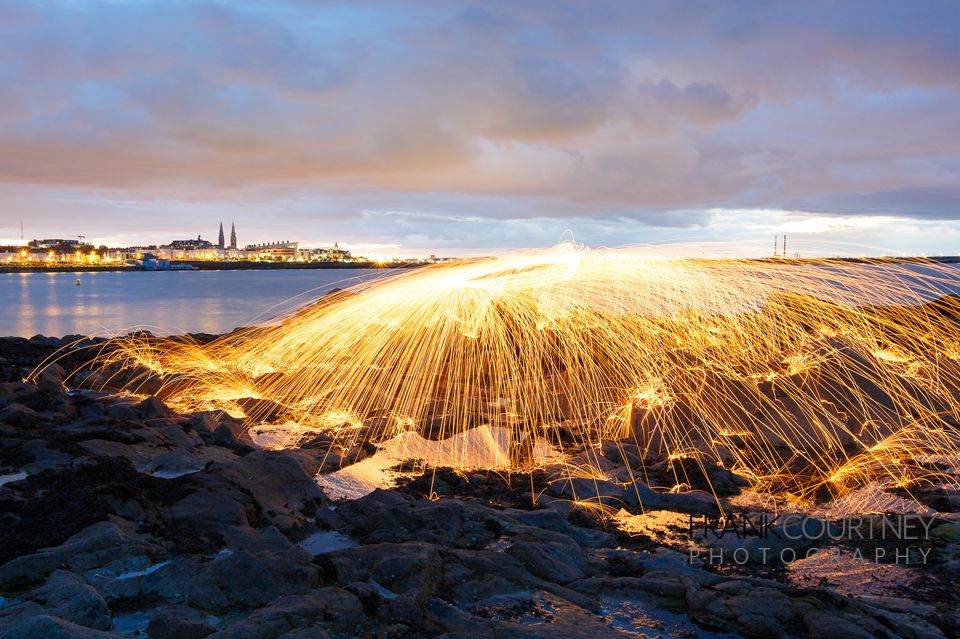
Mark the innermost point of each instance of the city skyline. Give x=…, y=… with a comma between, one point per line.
x=462, y=129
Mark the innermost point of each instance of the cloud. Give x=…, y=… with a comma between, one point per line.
x=527, y=111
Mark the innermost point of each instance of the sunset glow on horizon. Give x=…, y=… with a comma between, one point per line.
x=409, y=129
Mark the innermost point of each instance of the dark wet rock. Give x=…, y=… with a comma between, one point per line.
x=830, y=625
x=65, y=595
x=640, y=495
x=206, y=423
x=785, y=538
x=332, y=607
x=699, y=473
x=552, y=562
x=283, y=489
x=122, y=411
x=153, y=408
x=247, y=580
x=178, y=622
x=400, y=568
x=49, y=627
x=230, y=580
x=181, y=581
x=385, y=516
x=583, y=489
x=553, y=520
x=260, y=541
x=92, y=547
x=121, y=579
x=43, y=340
x=50, y=379
x=908, y=626
x=9, y=391
x=89, y=380
x=263, y=410
x=208, y=510
x=231, y=432
x=20, y=416
x=448, y=554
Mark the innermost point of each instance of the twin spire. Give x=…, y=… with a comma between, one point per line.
x=233, y=237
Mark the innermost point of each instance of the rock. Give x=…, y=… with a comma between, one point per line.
x=205, y=423
x=285, y=492
x=263, y=410
x=261, y=541
x=762, y=601
x=21, y=416
x=831, y=625
x=552, y=562
x=181, y=581
x=250, y=581
x=153, y=408
x=92, y=547
x=90, y=379
x=908, y=626
x=321, y=442
x=665, y=584
x=759, y=626
x=122, y=412
x=47, y=627
x=65, y=595
x=389, y=517
x=11, y=390
x=783, y=541
x=50, y=379
x=333, y=607
x=701, y=474
x=638, y=493
x=232, y=432
x=178, y=622
x=400, y=568
x=307, y=633
x=590, y=490
x=121, y=579
x=28, y=569
x=208, y=510
x=43, y=340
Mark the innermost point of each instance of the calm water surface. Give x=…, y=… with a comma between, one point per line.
x=166, y=303
x=175, y=302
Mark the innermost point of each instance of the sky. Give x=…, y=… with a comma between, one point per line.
x=453, y=128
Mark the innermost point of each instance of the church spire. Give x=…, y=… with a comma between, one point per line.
x=233, y=235
x=220, y=243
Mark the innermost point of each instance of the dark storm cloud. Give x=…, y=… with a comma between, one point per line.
x=554, y=109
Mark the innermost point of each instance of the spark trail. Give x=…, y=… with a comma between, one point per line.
x=797, y=375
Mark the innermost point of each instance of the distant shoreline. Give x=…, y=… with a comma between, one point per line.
x=296, y=266
x=207, y=266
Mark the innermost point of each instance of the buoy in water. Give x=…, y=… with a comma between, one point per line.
x=78, y=281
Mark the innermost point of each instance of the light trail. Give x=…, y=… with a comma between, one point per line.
x=801, y=376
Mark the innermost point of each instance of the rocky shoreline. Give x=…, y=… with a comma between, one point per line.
x=122, y=518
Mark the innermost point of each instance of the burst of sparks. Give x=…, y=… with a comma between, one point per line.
x=798, y=375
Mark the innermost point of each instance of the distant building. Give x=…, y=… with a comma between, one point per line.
x=274, y=251
x=54, y=244
x=335, y=254
x=188, y=245
x=151, y=262
x=221, y=242
x=233, y=236
x=198, y=249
